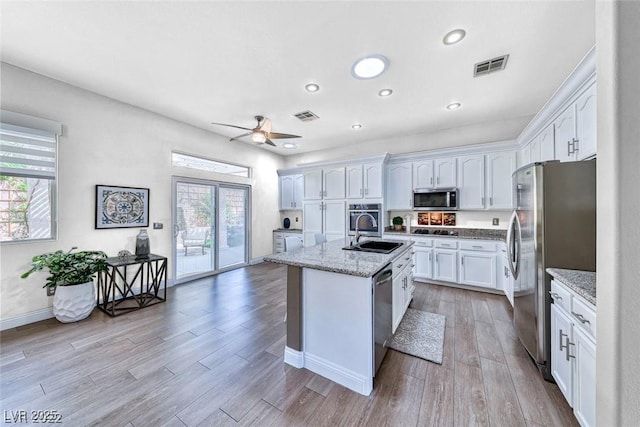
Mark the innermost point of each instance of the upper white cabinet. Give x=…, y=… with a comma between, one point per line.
x=327, y=217
x=565, y=135
x=586, y=123
x=546, y=145
x=328, y=184
x=445, y=173
x=484, y=182
x=471, y=182
x=500, y=167
x=291, y=192
x=399, y=189
x=364, y=181
x=423, y=174
x=313, y=184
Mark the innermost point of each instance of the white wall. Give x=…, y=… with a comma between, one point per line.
x=108, y=142
x=618, y=269
x=456, y=137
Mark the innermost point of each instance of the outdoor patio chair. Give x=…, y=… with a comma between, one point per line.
x=195, y=237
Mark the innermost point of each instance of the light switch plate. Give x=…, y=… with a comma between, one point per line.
x=496, y=221
x=157, y=226
x=51, y=291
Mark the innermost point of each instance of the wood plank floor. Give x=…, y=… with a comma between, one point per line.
x=213, y=355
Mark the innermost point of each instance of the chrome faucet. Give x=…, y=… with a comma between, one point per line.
x=373, y=222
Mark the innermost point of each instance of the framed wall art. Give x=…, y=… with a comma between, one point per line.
x=121, y=207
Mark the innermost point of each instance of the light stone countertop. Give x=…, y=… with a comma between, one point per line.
x=331, y=257
x=463, y=233
x=582, y=282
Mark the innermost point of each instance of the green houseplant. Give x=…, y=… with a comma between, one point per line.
x=71, y=274
x=397, y=222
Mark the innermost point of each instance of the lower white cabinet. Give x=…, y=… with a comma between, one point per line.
x=423, y=262
x=446, y=265
x=504, y=280
x=402, y=286
x=573, y=351
x=280, y=236
x=478, y=269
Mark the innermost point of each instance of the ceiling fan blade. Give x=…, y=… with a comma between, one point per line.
x=270, y=142
x=235, y=138
x=266, y=125
x=231, y=126
x=276, y=135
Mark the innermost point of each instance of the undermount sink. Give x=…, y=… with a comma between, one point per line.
x=377, y=246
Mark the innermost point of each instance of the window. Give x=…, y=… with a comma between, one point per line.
x=187, y=161
x=27, y=179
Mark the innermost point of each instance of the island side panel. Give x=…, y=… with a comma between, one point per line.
x=294, y=308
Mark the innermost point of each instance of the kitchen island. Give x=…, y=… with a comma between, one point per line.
x=330, y=310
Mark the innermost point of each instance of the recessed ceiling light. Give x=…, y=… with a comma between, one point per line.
x=356, y=126
x=369, y=67
x=454, y=36
x=385, y=92
x=289, y=145
x=454, y=106
x=312, y=87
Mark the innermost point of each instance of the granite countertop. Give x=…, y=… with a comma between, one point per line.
x=288, y=230
x=582, y=282
x=463, y=233
x=331, y=257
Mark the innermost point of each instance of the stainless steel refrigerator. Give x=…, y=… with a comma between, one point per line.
x=553, y=225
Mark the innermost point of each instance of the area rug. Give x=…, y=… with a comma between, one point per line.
x=420, y=334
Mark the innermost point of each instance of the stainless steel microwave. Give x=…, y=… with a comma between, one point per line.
x=435, y=200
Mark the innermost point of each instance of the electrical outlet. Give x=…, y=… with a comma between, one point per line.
x=157, y=226
x=51, y=291
x=496, y=221
x=296, y=219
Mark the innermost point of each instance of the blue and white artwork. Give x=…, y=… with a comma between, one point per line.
x=119, y=207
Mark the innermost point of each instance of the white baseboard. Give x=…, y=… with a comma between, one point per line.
x=255, y=261
x=25, y=319
x=349, y=379
x=293, y=357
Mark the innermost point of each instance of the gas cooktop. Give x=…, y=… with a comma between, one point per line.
x=436, y=232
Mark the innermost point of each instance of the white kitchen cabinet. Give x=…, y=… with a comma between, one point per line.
x=313, y=184
x=399, y=190
x=402, y=286
x=534, y=150
x=573, y=350
x=500, y=167
x=312, y=220
x=546, y=145
x=586, y=123
x=446, y=265
x=478, y=269
x=333, y=182
x=291, y=192
x=504, y=280
x=423, y=262
x=525, y=155
x=334, y=226
x=423, y=174
x=280, y=236
x=471, y=184
x=565, y=135
x=364, y=181
x=445, y=173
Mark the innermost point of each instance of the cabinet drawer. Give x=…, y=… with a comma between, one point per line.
x=400, y=263
x=584, y=317
x=278, y=235
x=426, y=243
x=470, y=245
x=560, y=296
x=447, y=244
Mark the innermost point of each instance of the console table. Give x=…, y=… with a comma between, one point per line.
x=130, y=284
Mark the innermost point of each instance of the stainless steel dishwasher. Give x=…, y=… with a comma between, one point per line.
x=382, y=301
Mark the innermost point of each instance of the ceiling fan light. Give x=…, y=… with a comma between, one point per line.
x=385, y=92
x=454, y=106
x=289, y=145
x=356, y=126
x=258, y=137
x=369, y=67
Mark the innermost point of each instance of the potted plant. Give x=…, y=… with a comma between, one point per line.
x=397, y=223
x=71, y=275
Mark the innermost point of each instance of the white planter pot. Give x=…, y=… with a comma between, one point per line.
x=75, y=302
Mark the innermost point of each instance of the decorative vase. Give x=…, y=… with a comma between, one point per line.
x=74, y=302
x=142, y=245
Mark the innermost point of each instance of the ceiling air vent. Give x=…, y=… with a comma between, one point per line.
x=490, y=66
x=306, y=116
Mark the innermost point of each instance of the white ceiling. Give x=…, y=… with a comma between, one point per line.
x=206, y=61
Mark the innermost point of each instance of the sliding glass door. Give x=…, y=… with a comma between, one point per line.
x=209, y=227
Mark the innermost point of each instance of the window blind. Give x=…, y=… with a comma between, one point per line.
x=27, y=152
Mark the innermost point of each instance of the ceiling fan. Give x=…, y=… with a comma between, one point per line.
x=260, y=134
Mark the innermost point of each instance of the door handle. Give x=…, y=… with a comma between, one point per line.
x=176, y=230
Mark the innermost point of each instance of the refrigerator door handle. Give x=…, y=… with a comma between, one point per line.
x=513, y=245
